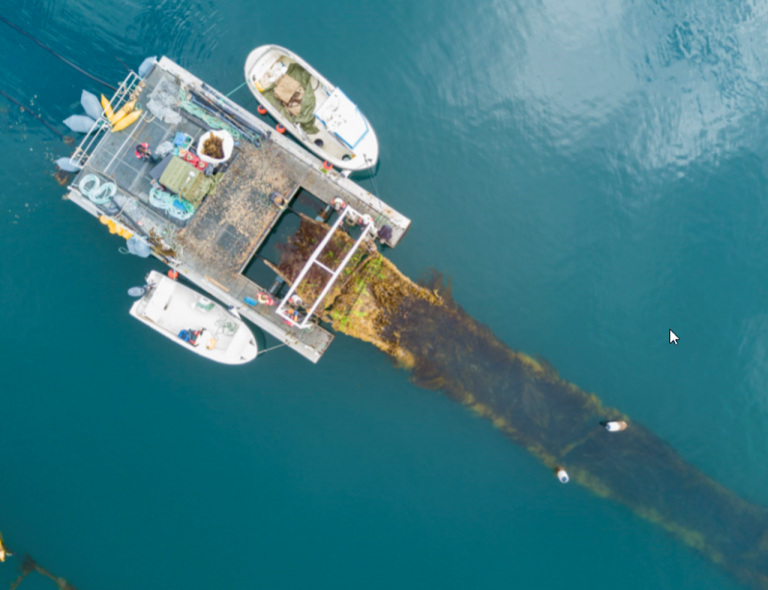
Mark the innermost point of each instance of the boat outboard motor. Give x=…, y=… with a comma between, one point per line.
x=137, y=291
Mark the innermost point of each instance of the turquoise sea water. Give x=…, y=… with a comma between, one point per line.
x=590, y=175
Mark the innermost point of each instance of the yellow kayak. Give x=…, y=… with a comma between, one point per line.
x=108, y=112
x=126, y=121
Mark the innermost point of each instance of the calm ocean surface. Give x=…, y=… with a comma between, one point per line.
x=590, y=174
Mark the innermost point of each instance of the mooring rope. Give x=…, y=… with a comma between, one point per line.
x=68, y=140
x=266, y=350
x=231, y=92
x=66, y=61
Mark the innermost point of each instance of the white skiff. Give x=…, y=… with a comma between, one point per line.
x=194, y=321
x=312, y=109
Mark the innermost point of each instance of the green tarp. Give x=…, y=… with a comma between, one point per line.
x=306, y=117
x=183, y=179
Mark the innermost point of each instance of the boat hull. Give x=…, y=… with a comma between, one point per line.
x=171, y=309
x=359, y=153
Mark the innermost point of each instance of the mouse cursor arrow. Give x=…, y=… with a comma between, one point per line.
x=673, y=338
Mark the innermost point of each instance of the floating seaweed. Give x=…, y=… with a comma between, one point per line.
x=425, y=331
x=62, y=177
x=65, y=138
x=29, y=565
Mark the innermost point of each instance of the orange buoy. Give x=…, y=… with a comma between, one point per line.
x=327, y=166
x=280, y=129
x=173, y=274
x=261, y=110
x=265, y=298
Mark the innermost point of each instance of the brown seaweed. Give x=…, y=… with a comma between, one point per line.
x=29, y=565
x=213, y=147
x=425, y=331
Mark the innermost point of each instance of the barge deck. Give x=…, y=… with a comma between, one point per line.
x=212, y=245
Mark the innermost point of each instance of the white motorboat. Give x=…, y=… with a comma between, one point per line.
x=312, y=109
x=194, y=321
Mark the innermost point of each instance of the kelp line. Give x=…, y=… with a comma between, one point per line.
x=29, y=565
x=447, y=350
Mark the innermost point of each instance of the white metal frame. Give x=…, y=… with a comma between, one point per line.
x=98, y=131
x=283, y=306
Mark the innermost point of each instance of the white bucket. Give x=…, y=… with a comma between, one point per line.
x=228, y=146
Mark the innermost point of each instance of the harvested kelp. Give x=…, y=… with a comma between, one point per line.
x=427, y=332
x=294, y=255
x=213, y=147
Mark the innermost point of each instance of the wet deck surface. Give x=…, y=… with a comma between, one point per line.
x=231, y=223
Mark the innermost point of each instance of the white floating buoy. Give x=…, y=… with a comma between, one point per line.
x=146, y=66
x=562, y=475
x=79, y=123
x=91, y=104
x=67, y=166
x=138, y=247
x=614, y=425
x=137, y=291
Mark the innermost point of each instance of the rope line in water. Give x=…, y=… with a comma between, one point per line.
x=231, y=92
x=67, y=139
x=266, y=350
x=65, y=60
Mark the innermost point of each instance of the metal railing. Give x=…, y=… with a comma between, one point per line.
x=285, y=309
x=102, y=126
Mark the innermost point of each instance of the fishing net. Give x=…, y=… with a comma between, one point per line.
x=164, y=102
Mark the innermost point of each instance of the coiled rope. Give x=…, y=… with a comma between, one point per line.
x=99, y=194
x=226, y=328
x=177, y=208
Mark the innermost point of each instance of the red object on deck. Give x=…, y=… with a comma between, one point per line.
x=261, y=110
x=280, y=129
x=173, y=274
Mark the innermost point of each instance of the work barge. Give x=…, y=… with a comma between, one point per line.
x=213, y=243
